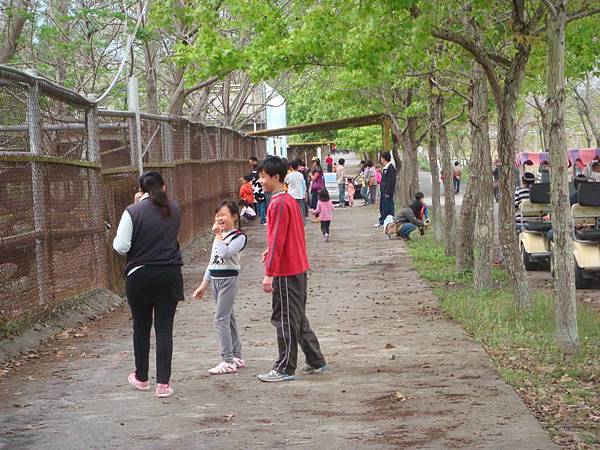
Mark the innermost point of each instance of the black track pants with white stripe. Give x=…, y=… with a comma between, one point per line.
x=289, y=318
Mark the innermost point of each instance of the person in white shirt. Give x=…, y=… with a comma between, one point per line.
x=296, y=185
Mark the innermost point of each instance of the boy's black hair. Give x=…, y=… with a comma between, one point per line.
x=341, y=161
x=369, y=163
x=294, y=163
x=456, y=163
x=324, y=195
x=387, y=156
x=419, y=196
x=528, y=178
x=272, y=166
x=247, y=177
x=253, y=158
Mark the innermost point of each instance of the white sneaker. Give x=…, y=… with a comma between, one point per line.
x=223, y=368
x=377, y=225
x=239, y=362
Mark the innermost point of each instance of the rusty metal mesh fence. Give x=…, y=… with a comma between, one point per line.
x=67, y=172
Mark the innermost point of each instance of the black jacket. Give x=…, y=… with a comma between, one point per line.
x=388, y=181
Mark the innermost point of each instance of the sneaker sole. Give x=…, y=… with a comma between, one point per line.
x=164, y=395
x=147, y=388
x=316, y=371
x=279, y=380
x=223, y=373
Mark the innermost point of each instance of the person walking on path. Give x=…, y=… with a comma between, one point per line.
x=378, y=178
x=222, y=274
x=372, y=184
x=341, y=181
x=296, y=186
x=324, y=212
x=147, y=234
x=456, y=174
x=259, y=195
x=246, y=191
x=329, y=163
x=286, y=266
x=388, y=187
x=351, y=191
x=317, y=182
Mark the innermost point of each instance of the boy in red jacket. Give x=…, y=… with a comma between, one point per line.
x=286, y=264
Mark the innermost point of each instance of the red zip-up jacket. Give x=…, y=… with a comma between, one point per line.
x=286, y=247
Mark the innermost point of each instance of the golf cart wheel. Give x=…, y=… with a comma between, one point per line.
x=581, y=282
x=551, y=262
x=527, y=261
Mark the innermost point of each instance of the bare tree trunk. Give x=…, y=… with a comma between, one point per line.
x=150, y=55
x=62, y=10
x=432, y=153
x=484, y=208
x=401, y=188
x=506, y=151
x=584, y=100
x=409, y=144
x=567, y=334
x=449, y=204
x=13, y=31
x=466, y=225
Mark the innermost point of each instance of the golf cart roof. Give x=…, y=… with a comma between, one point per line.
x=531, y=158
x=581, y=157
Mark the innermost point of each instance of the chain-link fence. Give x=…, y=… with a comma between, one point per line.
x=67, y=172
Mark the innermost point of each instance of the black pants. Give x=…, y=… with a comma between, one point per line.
x=325, y=226
x=289, y=318
x=386, y=208
x=164, y=313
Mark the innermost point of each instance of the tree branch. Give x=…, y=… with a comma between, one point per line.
x=478, y=53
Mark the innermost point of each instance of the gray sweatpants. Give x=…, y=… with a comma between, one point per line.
x=225, y=291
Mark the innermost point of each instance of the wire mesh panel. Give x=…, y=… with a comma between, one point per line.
x=198, y=143
x=18, y=273
x=62, y=129
x=14, y=134
x=179, y=130
x=152, y=141
x=75, y=264
x=115, y=143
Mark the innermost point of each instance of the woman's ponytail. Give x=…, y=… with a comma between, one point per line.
x=152, y=183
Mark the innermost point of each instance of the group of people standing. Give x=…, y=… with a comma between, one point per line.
x=147, y=235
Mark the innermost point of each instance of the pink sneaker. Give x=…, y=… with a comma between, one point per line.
x=140, y=385
x=163, y=390
x=239, y=362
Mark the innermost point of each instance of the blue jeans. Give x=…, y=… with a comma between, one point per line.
x=364, y=193
x=262, y=211
x=406, y=229
x=386, y=208
x=342, y=190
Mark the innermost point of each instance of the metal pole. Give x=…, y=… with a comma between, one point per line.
x=133, y=105
x=39, y=193
x=93, y=144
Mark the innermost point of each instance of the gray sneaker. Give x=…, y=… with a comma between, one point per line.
x=274, y=376
x=310, y=370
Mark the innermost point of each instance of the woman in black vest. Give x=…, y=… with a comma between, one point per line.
x=147, y=234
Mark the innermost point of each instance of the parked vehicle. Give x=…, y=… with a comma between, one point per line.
x=533, y=239
x=586, y=216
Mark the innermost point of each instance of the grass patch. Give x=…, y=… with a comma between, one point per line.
x=563, y=392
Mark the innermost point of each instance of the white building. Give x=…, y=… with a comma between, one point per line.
x=276, y=117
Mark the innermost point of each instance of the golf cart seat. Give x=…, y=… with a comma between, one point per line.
x=538, y=226
x=588, y=235
x=539, y=193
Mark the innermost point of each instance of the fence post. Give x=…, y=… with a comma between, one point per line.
x=97, y=209
x=39, y=192
x=187, y=141
x=168, y=144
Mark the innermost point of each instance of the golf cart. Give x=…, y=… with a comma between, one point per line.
x=586, y=217
x=533, y=239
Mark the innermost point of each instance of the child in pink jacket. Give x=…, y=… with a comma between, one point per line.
x=324, y=212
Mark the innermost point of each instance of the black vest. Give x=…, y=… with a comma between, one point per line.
x=154, y=239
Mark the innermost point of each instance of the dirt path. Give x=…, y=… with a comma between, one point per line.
x=401, y=375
